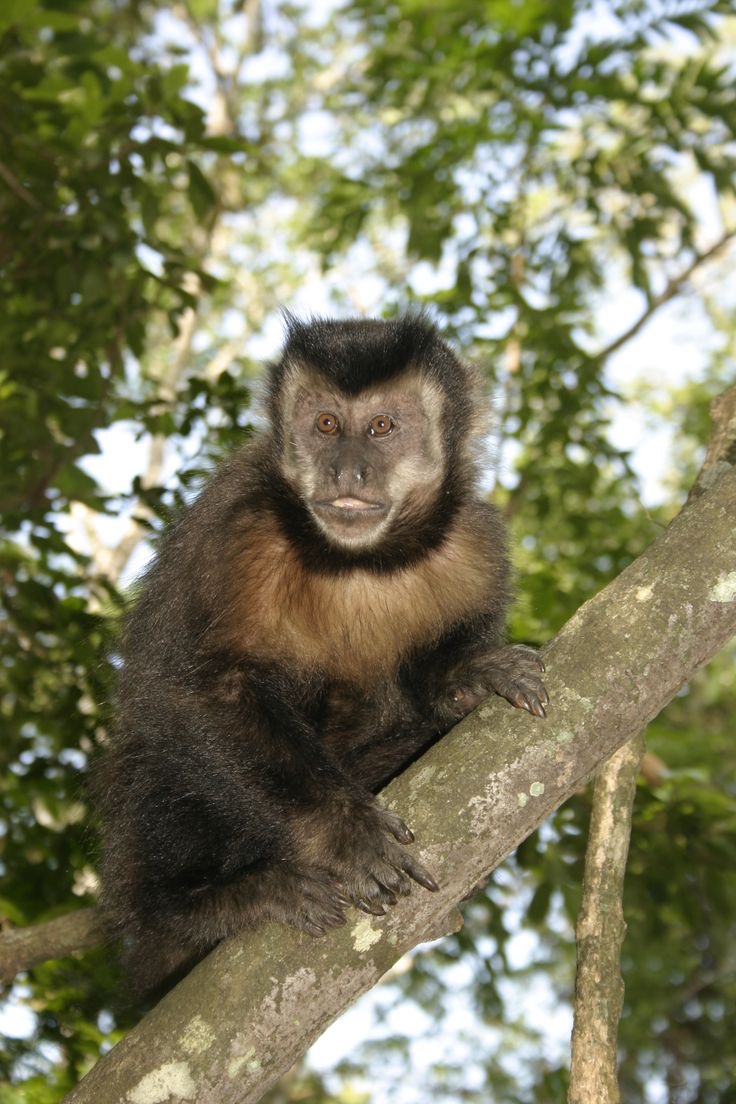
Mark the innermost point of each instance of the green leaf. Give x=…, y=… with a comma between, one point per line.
x=201, y=194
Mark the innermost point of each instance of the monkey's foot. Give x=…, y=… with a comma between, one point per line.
x=370, y=859
x=513, y=672
x=304, y=897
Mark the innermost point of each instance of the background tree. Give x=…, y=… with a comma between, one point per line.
x=555, y=181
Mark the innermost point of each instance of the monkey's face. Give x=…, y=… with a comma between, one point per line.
x=361, y=462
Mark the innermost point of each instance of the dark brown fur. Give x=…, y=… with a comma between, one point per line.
x=295, y=645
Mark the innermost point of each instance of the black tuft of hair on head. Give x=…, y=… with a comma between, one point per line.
x=357, y=353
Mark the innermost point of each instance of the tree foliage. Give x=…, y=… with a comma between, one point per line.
x=519, y=166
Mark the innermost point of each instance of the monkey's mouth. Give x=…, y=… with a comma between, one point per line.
x=348, y=519
x=348, y=503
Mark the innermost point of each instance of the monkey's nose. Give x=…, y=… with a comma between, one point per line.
x=350, y=473
x=349, y=467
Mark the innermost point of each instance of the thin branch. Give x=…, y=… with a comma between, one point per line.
x=22, y=948
x=599, y=987
x=721, y=452
x=673, y=286
x=169, y=378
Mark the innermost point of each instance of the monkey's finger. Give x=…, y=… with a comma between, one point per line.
x=416, y=871
x=536, y=697
x=532, y=703
x=324, y=915
x=374, y=890
x=394, y=882
x=397, y=828
x=517, y=694
x=367, y=906
x=530, y=654
x=340, y=899
x=388, y=896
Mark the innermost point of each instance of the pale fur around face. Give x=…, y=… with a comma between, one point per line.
x=359, y=623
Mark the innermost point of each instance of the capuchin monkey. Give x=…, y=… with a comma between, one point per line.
x=331, y=603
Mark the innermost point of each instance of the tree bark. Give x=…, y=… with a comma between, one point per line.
x=242, y=1017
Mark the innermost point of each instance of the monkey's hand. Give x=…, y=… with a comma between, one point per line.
x=513, y=672
x=368, y=856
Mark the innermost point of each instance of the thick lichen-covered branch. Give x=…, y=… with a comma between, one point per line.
x=250, y=1010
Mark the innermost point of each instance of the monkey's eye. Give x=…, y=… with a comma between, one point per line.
x=381, y=425
x=327, y=423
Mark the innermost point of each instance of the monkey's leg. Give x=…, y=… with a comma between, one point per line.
x=330, y=822
x=164, y=946
x=290, y=893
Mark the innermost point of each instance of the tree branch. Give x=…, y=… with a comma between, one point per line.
x=671, y=289
x=22, y=948
x=600, y=931
x=250, y=1010
x=721, y=454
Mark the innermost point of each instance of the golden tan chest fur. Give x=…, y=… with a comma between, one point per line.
x=354, y=625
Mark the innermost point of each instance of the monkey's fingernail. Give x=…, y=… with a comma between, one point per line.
x=535, y=706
